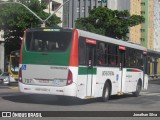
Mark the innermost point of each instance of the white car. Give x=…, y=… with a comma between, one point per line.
x=6, y=79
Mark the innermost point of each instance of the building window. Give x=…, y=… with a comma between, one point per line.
x=89, y=9
x=142, y=30
x=94, y=7
x=142, y=3
x=107, y=54
x=78, y=9
x=83, y=9
x=55, y=6
x=142, y=39
x=142, y=12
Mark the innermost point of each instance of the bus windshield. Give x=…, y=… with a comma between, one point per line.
x=48, y=41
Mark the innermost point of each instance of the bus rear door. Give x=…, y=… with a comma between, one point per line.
x=91, y=45
x=122, y=65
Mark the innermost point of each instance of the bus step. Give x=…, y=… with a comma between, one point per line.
x=120, y=93
x=88, y=97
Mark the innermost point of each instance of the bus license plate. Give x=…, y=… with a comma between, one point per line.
x=56, y=82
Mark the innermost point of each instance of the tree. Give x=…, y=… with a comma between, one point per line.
x=111, y=23
x=15, y=18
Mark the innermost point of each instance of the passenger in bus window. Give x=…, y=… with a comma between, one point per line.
x=113, y=62
x=101, y=54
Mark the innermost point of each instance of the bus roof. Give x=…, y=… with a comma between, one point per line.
x=153, y=53
x=110, y=40
x=96, y=37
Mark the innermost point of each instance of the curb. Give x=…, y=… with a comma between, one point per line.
x=13, y=88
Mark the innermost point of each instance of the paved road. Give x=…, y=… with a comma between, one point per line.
x=12, y=100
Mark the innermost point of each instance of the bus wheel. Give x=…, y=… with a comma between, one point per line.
x=138, y=89
x=106, y=92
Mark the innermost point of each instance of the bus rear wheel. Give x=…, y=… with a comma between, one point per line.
x=106, y=92
x=138, y=89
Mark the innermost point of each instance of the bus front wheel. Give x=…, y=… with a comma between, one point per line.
x=106, y=92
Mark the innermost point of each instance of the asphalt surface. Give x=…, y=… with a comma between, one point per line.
x=12, y=100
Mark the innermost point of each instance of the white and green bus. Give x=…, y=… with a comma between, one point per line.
x=72, y=62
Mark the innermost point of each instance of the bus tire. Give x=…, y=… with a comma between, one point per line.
x=106, y=92
x=138, y=89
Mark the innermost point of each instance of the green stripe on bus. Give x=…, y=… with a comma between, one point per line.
x=86, y=70
x=133, y=70
x=46, y=58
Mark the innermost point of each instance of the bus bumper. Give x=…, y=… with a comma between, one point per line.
x=70, y=90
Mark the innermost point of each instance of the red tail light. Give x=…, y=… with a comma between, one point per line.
x=70, y=78
x=20, y=75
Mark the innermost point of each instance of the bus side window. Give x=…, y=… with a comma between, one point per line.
x=101, y=54
x=82, y=51
x=112, y=55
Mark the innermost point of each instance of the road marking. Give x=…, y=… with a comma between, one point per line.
x=149, y=94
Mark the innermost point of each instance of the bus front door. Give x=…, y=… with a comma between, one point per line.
x=91, y=70
x=122, y=65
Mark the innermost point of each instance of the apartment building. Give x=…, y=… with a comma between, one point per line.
x=151, y=30
x=118, y=4
x=52, y=6
x=134, y=7
x=135, y=33
x=144, y=29
x=157, y=25
x=79, y=8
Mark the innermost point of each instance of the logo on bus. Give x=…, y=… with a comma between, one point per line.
x=107, y=73
x=24, y=67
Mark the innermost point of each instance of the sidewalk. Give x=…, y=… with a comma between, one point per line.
x=154, y=79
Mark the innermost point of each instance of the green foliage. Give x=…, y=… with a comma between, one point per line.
x=15, y=18
x=112, y=23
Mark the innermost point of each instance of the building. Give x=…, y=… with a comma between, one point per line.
x=52, y=6
x=135, y=34
x=134, y=7
x=156, y=25
x=1, y=51
x=79, y=8
x=157, y=28
x=118, y=4
x=151, y=30
x=144, y=29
